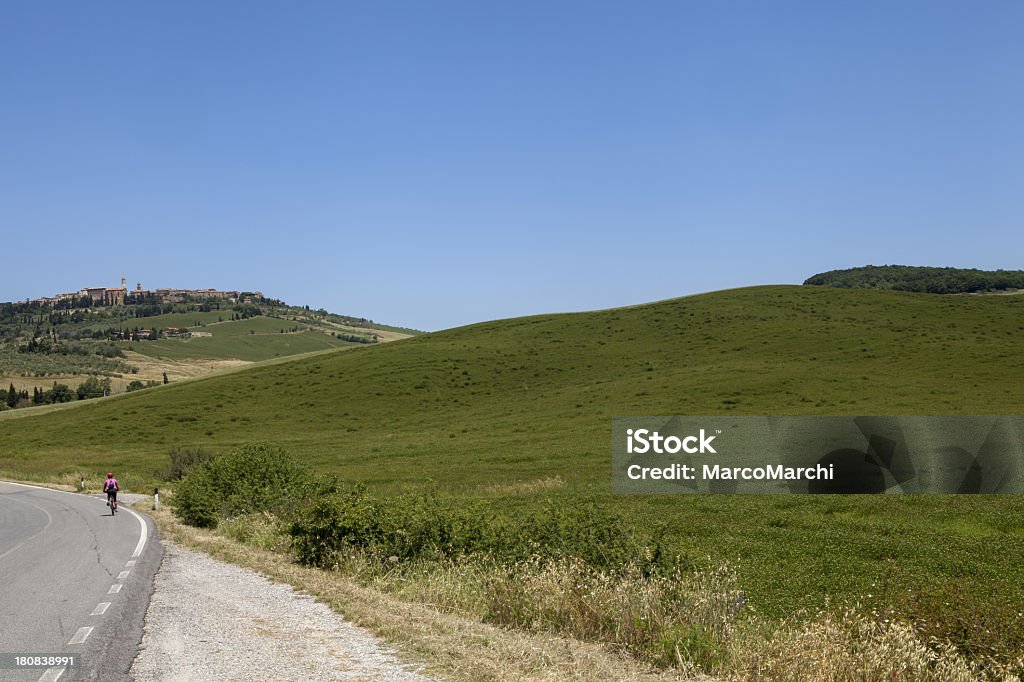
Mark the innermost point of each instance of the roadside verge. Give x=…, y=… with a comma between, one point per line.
x=448, y=645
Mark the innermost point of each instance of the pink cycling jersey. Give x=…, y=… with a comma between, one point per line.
x=111, y=486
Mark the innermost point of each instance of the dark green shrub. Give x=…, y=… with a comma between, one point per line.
x=406, y=527
x=252, y=478
x=596, y=536
x=332, y=523
x=435, y=527
x=196, y=501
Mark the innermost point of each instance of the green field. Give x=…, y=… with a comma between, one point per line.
x=179, y=320
x=253, y=325
x=239, y=345
x=217, y=323
x=252, y=339
x=519, y=400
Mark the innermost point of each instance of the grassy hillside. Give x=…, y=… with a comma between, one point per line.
x=40, y=344
x=193, y=318
x=235, y=344
x=253, y=325
x=494, y=409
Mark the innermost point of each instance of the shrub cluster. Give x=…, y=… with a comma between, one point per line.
x=252, y=478
x=431, y=527
x=137, y=385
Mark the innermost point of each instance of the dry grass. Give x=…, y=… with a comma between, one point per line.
x=853, y=647
x=452, y=645
x=683, y=619
x=151, y=368
x=27, y=383
x=531, y=487
x=385, y=335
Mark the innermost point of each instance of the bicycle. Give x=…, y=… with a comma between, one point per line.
x=112, y=503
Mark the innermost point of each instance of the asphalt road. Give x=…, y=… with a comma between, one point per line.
x=73, y=580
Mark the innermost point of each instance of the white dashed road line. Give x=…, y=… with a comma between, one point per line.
x=52, y=674
x=123, y=574
x=114, y=589
x=82, y=635
x=100, y=609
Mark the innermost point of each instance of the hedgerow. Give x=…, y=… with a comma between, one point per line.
x=433, y=527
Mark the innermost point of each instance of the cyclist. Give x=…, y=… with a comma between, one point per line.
x=110, y=487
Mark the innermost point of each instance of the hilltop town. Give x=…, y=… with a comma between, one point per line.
x=100, y=341
x=123, y=296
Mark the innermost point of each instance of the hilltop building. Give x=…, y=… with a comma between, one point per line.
x=121, y=295
x=105, y=295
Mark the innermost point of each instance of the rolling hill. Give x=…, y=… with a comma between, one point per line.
x=491, y=409
x=41, y=345
x=533, y=396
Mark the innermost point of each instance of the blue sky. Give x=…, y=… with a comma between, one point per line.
x=433, y=164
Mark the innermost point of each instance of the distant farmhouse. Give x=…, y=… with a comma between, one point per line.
x=122, y=296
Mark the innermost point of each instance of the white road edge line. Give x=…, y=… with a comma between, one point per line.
x=130, y=564
x=52, y=674
x=114, y=589
x=82, y=635
x=143, y=536
x=100, y=609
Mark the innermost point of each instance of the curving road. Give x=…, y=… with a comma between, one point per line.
x=73, y=580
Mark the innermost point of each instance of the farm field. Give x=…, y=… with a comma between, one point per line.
x=517, y=412
x=247, y=347
x=253, y=325
x=248, y=340
x=180, y=320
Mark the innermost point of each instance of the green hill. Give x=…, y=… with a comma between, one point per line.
x=544, y=387
x=41, y=344
x=494, y=408
x=232, y=346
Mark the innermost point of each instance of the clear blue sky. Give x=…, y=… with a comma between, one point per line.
x=437, y=163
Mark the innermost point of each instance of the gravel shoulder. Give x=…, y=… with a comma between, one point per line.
x=209, y=620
